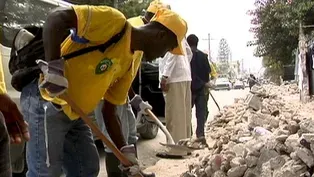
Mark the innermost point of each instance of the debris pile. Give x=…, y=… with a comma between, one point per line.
x=260, y=136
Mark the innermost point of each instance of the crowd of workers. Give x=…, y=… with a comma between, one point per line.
x=58, y=141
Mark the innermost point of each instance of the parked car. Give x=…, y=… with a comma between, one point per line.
x=239, y=85
x=223, y=84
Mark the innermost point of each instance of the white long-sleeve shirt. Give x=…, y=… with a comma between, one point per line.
x=177, y=67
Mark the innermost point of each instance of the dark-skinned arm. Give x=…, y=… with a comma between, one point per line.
x=57, y=25
x=113, y=124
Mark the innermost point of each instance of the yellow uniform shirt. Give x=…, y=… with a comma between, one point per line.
x=2, y=81
x=213, y=72
x=95, y=75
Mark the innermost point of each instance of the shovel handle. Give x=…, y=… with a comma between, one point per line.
x=98, y=133
x=161, y=126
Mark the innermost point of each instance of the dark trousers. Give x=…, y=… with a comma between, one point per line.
x=199, y=100
x=5, y=163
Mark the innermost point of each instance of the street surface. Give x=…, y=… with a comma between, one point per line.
x=148, y=148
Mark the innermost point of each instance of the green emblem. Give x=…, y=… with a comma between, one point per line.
x=103, y=65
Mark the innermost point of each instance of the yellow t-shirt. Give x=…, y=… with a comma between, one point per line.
x=2, y=81
x=94, y=75
x=213, y=72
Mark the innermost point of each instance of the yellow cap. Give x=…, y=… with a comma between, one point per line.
x=155, y=5
x=174, y=23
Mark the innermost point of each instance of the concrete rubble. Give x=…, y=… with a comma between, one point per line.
x=264, y=135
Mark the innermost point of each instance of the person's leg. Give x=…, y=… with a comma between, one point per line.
x=188, y=109
x=5, y=162
x=175, y=113
x=200, y=113
x=47, y=127
x=111, y=160
x=80, y=153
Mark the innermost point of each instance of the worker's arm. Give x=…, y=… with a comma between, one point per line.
x=17, y=127
x=113, y=124
x=56, y=26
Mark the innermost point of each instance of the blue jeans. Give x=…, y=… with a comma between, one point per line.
x=127, y=119
x=199, y=100
x=57, y=144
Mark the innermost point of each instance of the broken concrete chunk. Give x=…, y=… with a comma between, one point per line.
x=219, y=174
x=251, y=161
x=240, y=150
x=307, y=125
x=237, y=171
x=292, y=142
x=237, y=161
x=306, y=156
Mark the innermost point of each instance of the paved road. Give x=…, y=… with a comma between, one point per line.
x=148, y=148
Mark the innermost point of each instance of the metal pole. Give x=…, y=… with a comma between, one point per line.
x=209, y=52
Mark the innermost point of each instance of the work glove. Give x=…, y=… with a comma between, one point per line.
x=139, y=105
x=54, y=81
x=129, y=152
x=17, y=127
x=210, y=84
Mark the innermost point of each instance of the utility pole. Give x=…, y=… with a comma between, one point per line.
x=209, y=52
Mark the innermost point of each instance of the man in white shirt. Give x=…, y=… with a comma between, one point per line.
x=175, y=82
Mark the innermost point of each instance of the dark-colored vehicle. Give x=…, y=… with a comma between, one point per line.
x=146, y=84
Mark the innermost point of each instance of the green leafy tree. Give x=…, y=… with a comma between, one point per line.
x=276, y=28
x=223, y=57
x=223, y=51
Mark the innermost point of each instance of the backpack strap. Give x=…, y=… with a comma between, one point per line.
x=102, y=47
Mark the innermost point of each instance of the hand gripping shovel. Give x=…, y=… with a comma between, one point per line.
x=175, y=149
x=96, y=130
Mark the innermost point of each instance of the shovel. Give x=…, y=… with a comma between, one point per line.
x=175, y=149
x=99, y=134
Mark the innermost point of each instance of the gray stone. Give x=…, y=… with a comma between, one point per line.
x=292, y=142
x=307, y=125
x=291, y=169
x=208, y=170
x=274, y=122
x=293, y=127
x=219, y=174
x=252, y=172
x=306, y=156
x=237, y=171
x=282, y=138
x=266, y=170
x=240, y=150
x=265, y=156
x=277, y=162
x=237, y=162
x=251, y=161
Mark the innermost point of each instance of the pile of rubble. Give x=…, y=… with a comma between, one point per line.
x=263, y=135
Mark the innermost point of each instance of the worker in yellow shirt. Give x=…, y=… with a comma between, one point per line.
x=213, y=77
x=125, y=112
x=61, y=139
x=12, y=126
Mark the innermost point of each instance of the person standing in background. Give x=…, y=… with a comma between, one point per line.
x=200, y=70
x=175, y=82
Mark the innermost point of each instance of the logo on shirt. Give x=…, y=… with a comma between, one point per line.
x=103, y=66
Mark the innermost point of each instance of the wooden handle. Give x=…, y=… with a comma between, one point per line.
x=98, y=133
x=161, y=126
